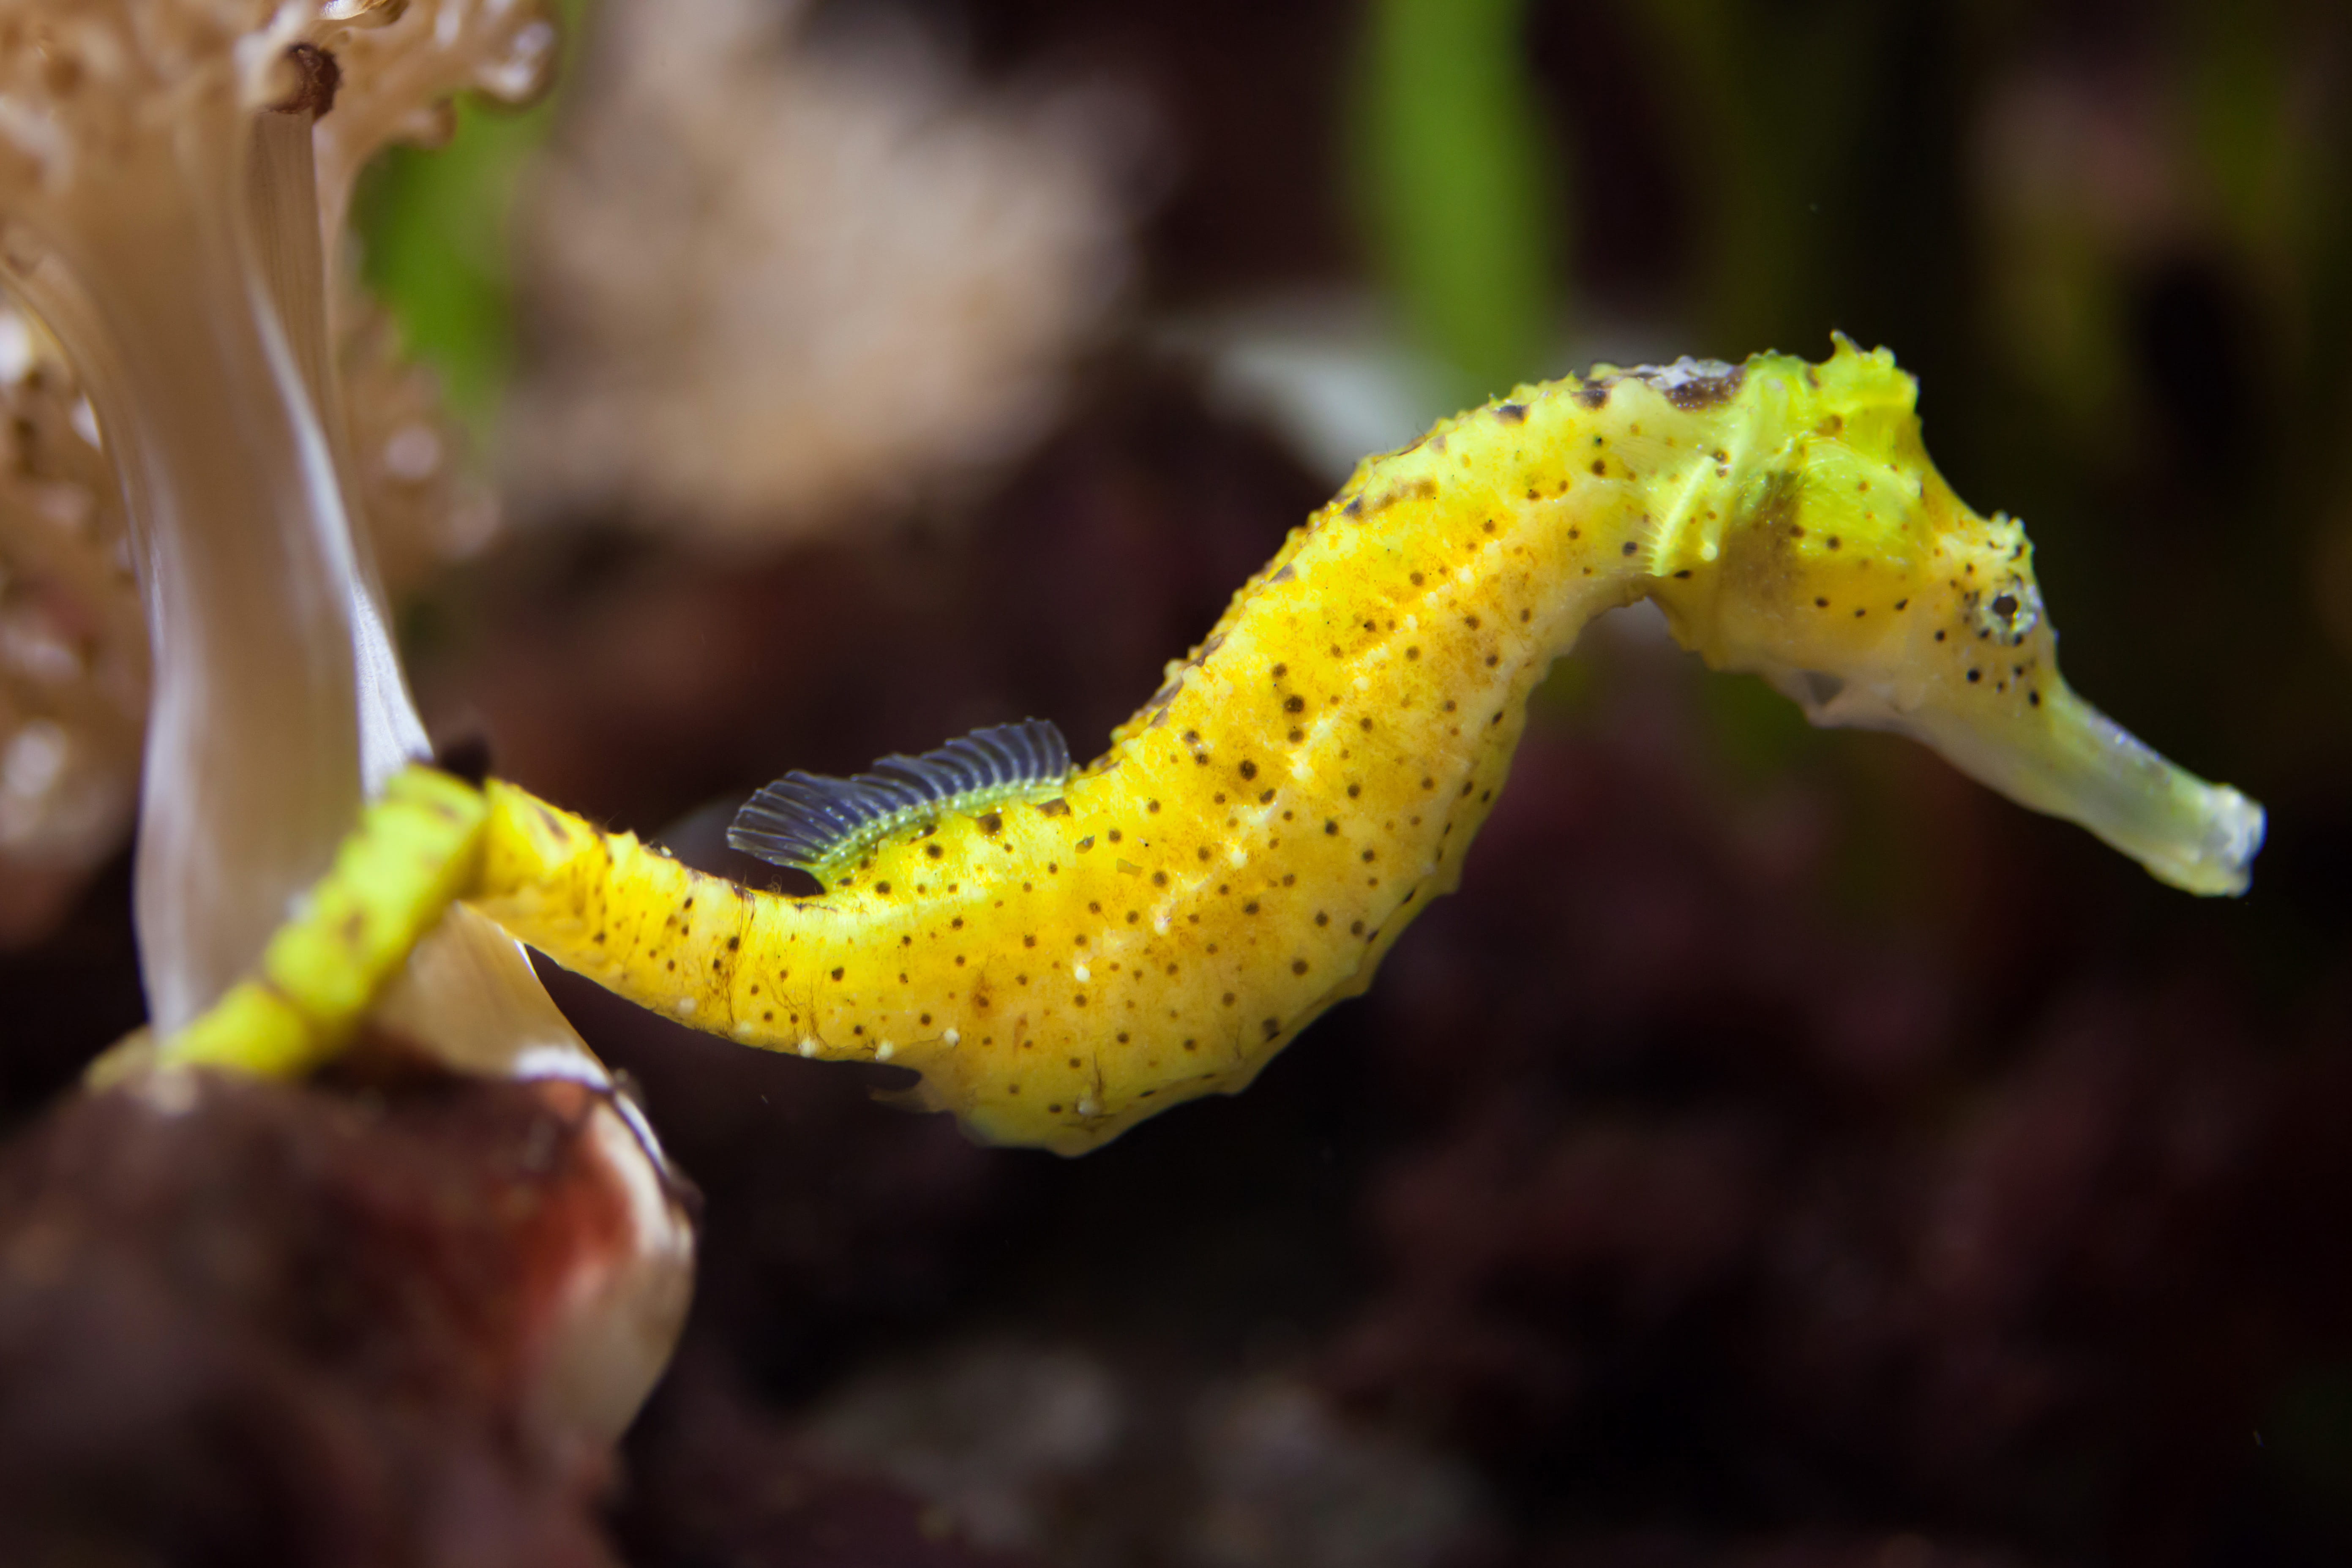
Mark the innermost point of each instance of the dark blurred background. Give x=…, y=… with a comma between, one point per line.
x=1780, y=1152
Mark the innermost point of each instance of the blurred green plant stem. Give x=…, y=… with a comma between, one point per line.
x=1461, y=185
x=437, y=228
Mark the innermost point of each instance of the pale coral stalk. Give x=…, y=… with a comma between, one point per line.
x=163, y=219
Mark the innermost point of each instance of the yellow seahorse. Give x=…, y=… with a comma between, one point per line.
x=1061, y=953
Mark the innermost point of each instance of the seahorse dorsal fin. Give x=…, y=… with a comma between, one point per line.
x=808, y=822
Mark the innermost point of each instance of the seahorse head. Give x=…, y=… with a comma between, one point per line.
x=1847, y=573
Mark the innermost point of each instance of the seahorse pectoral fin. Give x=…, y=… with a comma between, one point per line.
x=2063, y=757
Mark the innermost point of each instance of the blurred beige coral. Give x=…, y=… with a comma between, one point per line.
x=772, y=277
x=422, y=501
x=73, y=642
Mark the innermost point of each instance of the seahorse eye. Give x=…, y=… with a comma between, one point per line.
x=2010, y=614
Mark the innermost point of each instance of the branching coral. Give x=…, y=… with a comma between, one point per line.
x=777, y=277
x=163, y=205
x=400, y=65
x=101, y=81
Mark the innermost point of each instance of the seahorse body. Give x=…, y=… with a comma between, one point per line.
x=1261, y=832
